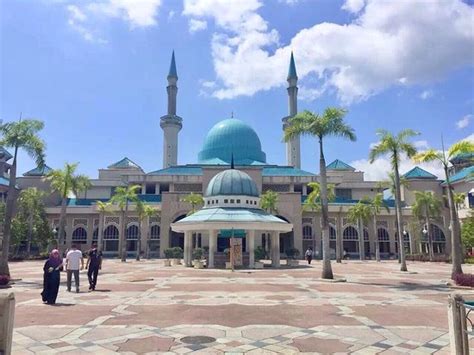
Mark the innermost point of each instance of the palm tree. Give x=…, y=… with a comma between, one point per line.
x=21, y=135
x=103, y=208
x=122, y=197
x=31, y=201
x=269, y=201
x=459, y=200
x=395, y=145
x=66, y=182
x=194, y=200
x=360, y=214
x=443, y=157
x=144, y=211
x=330, y=123
x=427, y=206
x=376, y=204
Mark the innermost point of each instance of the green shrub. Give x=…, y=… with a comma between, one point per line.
x=198, y=253
x=177, y=253
x=169, y=253
x=259, y=253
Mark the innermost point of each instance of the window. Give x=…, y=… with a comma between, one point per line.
x=226, y=201
x=232, y=200
x=307, y=232
x=344, y=194
x=132, y=232
x=155, y=232
x=79, y=235
x=150, y=189
x=111, y=232
x=238, y=201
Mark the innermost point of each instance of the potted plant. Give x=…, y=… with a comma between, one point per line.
x=292, y=255
x=259, y=255
x=177, y=255
x=168, y=255
x=197, y=256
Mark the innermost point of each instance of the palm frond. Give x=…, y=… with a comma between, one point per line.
x=461, y=147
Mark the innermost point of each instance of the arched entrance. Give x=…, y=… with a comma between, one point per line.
x=111, y=239
x=384, y=242
x=177, y=239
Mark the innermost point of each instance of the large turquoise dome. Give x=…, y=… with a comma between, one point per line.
x=229, y=138
x=232, y=182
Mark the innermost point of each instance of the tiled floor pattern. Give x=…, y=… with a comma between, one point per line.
x=144, y=307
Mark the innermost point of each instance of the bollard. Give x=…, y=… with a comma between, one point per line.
x=7, y=314
x=457, y=325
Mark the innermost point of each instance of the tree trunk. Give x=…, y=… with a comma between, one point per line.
x=30, y=233
x=430, y=237
x=338, y=241
x=456, y=248
x=10, y=207
x=62, y=217
x=123, y=236
x=361, y=239
x=139, y=241
x=377, y=242
x=398, y=198
x=327, y=270
x=100, y=232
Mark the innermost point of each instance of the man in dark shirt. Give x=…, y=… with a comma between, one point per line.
x=94, y=263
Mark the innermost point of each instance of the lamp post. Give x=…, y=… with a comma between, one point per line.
x=425, y=232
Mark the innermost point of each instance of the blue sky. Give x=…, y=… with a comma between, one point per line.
x=95, y=73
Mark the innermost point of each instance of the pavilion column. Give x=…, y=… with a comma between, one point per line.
x=212, y=247
x=251, y=248
x=275, y=249
x=188, y=248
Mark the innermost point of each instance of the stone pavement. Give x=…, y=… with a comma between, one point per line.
x=144, y=307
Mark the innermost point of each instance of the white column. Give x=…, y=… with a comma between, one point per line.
x=275, y=249
x=212, y=247
x=251, y=248
x=187, y=248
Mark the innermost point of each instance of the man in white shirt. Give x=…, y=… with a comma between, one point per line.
x=73, y=260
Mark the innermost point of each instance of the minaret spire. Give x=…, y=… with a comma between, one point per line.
x=293, y=154
x=171, y=123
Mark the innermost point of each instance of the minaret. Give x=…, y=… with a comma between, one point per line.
x=171, y=123
x=293, y=154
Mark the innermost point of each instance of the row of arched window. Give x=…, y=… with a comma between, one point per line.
x=111, y=232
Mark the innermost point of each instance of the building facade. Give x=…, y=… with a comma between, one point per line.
x=234, y=140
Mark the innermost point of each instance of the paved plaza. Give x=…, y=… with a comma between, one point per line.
x=144, y=307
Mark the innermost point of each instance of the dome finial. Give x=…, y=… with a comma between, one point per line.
x=173, y=72
x=292, y=68
x=232, y=161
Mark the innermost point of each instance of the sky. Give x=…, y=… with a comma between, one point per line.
x=95, y=73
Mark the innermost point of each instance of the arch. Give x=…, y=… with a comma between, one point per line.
x=155, y=231
x=350, y=233
x=132, y=232
x=79, y=235
x=384, y=240
x=350, y=240
x=438, y=238
x=111, y=238
x=307, y=232
x=438, y=234
x=332, y=232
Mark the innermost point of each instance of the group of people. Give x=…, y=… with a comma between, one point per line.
x=308, y=255
x=72, y=263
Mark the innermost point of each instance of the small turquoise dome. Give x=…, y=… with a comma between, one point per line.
x=229, y=138
x=231, y=182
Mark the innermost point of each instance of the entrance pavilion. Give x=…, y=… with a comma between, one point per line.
x=231, y=202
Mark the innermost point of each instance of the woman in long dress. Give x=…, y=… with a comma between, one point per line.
x=51, y=278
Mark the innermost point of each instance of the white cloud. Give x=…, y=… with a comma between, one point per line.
x=421, y=144
x=387, y=44
x=196, y=25
x=463, y=122
x=353, y=6
x=171, y=15
x=83, y=17
x=426, y=94
x=289, y=2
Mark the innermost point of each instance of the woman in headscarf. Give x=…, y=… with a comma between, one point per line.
x=51, y=277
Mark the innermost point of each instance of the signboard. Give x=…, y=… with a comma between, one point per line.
x=237, y=250
x=232, y=233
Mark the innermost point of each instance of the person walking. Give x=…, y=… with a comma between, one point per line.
x=309, y=255
x=94, y=264
x=73, y=260
x=51, y=277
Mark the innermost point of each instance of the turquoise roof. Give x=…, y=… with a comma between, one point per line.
x=173, y=72
x=339, y=165
x=4, y=181
x=463, y=158
x=231, y=182
x=93, y=201
x=419, y=173
x=38, y=171
x=228, y=214
x=461, y=175
x=292, y=68
x=284, y=171
x=125, y=163
x=5, y=154
x=232, y=137
x=178, y=170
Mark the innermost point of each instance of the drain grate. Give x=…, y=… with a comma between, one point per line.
x=198, y=340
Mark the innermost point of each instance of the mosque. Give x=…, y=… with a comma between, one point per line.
x=231, y=173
